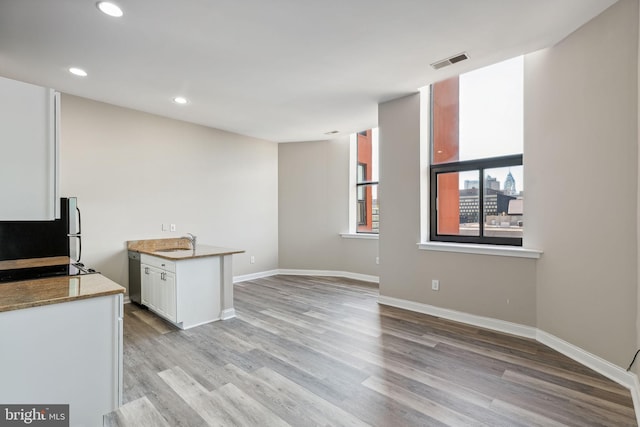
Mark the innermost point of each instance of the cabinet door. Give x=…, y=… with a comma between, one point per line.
x=146, y=284
x=28, y=152
x=167, y=297
x=151, y=287
x=159, y=291
x=156, y=291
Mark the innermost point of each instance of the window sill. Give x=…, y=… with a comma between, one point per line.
x=508, y=251
x=365, y=236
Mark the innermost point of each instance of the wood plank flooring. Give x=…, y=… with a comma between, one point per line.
x=317, y=351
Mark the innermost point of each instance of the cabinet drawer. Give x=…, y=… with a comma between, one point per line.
x=158, y=262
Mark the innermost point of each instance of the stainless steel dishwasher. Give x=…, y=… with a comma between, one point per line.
x=135, y=288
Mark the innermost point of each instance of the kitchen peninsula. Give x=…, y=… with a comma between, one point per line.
x=62, y=342
x=185, y=284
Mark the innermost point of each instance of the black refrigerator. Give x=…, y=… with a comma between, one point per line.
x=39, y=239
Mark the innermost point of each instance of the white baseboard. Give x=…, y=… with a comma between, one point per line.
x=635, y=395
x=253, y=276
x=613, y=372
x=330, y=273
x=126, y=299
x=297, y=272
x=459, y=316
x=598, y=364
x=229, y=313
x=195, y=325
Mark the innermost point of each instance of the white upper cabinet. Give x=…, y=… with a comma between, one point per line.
x=28, y=151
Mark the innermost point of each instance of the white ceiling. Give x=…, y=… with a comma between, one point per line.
x=281, y=70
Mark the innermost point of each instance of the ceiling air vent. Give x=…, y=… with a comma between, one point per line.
x=449, y=61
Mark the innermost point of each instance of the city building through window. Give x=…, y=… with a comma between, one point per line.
x=476, y=164
x=368, y=209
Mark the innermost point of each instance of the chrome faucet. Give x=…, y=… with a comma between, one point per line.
x=192, y=240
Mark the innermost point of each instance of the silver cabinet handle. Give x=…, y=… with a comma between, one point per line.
x=146, y=270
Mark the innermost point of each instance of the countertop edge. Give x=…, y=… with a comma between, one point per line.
x=33, y=262
x=47, y=291
x=171, y=257
x=52, y=301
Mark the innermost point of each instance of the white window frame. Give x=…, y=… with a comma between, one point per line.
x=353, y=192
x=425, y=160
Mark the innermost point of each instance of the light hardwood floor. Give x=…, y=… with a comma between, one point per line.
x=310, y=351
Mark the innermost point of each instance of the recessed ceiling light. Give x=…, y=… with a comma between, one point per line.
x=110, y=9
x=180, y=100
x=78, y=71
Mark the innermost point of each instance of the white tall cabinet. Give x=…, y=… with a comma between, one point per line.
x=29, y=132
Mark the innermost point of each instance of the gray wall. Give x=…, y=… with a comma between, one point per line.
x=133, y=171
x=636, y=367
x=286, y=204
x=314, y=209
x=581, y=161
x=491, y=286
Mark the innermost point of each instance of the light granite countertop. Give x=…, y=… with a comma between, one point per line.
x=166, y=248
x=34, y=262
x=53, y=290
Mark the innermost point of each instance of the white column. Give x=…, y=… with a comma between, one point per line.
x=226, y=288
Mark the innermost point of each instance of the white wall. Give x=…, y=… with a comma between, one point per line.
x=581, y=170
x=314, y=210
x=133, y=171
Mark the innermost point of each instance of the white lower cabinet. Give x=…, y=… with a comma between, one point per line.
x=66, y=353
x=187, y=292
x=159, y=291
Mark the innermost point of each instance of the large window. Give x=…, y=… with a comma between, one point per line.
x=367, y=210
x=476, y=172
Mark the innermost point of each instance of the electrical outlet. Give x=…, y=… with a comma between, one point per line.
x=252, y=260
x=173, y=227
x=435, y=285
x=377, y=260
x=164, y=227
